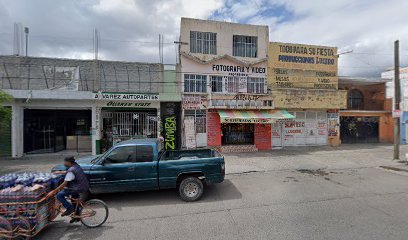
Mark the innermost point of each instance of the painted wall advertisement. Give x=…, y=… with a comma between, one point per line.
x=309, y=98
x=302, y=66
x=170, y=124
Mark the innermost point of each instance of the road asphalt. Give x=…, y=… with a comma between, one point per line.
x=351, y=192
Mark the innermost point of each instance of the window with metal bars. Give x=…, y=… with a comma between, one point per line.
x=195, y=83
x=232, y=84
x=256, y=85
x=216, y=83
x=203, y=42
x=134, y=124
x=245, y=46
x=199, y=119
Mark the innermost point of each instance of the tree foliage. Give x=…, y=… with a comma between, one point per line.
x=5, y=112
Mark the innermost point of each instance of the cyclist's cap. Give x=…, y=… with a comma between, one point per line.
x=69, y=159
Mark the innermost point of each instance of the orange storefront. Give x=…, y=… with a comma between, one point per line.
x=385, y=122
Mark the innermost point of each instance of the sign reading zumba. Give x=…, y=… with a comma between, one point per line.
x=171, y=127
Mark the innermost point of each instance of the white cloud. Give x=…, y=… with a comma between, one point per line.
x=129, y=28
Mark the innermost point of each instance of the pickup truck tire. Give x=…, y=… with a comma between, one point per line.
x=191, y=189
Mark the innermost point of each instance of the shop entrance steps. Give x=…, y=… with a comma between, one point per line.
x=238, y=148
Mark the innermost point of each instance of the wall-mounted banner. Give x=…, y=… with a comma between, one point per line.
x=125, y=96
x=171, y=129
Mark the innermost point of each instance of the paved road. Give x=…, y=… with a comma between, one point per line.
x=315, y=193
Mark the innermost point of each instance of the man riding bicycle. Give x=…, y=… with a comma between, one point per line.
x=75, y=183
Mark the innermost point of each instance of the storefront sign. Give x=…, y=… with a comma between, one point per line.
x=170, y=132
x=170, y=117
x=302, y=66
x=126, y=96
x=194, y=102
x=396, y=113
x=246, y=120
x=241, y=96
x=237, y=69
x=127, y=104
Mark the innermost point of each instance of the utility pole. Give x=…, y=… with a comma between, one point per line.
x=96, y=79
x=26, y=31
x=397, y=100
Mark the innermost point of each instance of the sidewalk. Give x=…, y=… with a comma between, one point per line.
x=291, y=158
x=323, y=157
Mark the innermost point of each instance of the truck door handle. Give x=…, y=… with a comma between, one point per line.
x=131, y=169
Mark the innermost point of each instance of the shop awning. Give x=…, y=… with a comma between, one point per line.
x=253, y=116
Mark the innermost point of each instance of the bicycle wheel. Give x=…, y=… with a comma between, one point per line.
x=6, y=229
x=94, y=213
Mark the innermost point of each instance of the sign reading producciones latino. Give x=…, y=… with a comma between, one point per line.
x=302, y=66
x=126, y=96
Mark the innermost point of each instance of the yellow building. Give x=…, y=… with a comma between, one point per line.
x=303, y=79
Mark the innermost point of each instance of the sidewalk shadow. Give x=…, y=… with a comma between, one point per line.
x=306, y=150
x=60, y=229
x=212, y=193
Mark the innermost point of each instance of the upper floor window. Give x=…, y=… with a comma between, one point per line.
x=355, y=99
x=245, y=46
x=232, y=84
x=256, y=85
x=195, y=83
x=203, y=42
x=216, y=83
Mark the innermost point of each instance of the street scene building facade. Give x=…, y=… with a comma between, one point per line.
x=226, y=102
x=233, y=90
x=389, y=76
x=87, y=105
x=368, y=117
x=304, y=81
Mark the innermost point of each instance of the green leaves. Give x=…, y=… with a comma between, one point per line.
x=5, y=112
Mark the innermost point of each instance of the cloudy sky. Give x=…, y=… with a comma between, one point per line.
x=129, y=29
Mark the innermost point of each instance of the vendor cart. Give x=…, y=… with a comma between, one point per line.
x=24, y=219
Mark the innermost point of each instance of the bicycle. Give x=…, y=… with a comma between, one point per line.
x=92, y=213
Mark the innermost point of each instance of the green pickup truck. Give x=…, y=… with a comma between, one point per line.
x=139, y=164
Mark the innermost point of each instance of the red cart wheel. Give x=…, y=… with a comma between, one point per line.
x=6, y=229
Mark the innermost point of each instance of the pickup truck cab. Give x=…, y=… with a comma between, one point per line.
x=139, y=165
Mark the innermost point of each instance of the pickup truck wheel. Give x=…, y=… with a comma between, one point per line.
x=191, y=189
